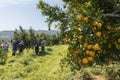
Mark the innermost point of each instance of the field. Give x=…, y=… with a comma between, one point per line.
x=46, y=66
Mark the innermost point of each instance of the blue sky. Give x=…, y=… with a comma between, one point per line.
x=23, y=12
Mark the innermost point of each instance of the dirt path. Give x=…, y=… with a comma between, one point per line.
x=97, y=77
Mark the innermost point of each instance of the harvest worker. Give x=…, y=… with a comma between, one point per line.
x=14, y=47
x=36, y=46
x=43, y=45
x=21, y=46
x=5, y=46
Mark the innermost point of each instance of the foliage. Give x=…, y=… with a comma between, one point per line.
x=92, y=37
x=3, y=56
x=50, y=39
x=23, y=35
x=96, y=71
x=112, y=74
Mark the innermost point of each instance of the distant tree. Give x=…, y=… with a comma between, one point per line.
x=31, y=37
x=42, y=35
x=16, y=34
x=3, y=56
x=21, y=35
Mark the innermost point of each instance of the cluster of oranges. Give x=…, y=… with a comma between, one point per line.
x=90, y=52
x=91, y=39
x=81, y=17
x=83, y=60
x=97, y=24
x=87, y=51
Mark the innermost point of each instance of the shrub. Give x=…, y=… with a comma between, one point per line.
x=112, y=74
x=3, y=56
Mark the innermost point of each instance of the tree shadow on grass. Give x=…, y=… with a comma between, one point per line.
x=49, y=49
x=43, y=53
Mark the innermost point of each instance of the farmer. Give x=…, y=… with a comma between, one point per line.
x=21, y=46
x=36, y=46
x=5, y=46
x=43, y=45
x=14, y=47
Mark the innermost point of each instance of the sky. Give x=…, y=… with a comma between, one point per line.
x=23, y=12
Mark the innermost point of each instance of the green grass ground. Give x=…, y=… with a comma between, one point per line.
x=46, y=66
x=29, y=66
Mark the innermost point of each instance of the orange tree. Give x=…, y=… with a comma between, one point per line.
x=91, y=28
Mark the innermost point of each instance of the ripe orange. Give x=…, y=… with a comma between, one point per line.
x=89, y=46
x=85, y=45
x=80, y=37
x=118, y=40
x=91, y=53
x=76, y=52
x=85, y=19
x=96, y=47
x=90, y=58
x=98, y=34
x=99, y=25
x=80, y=17
x=87, y=52
x=85, y=60
x=94, y=23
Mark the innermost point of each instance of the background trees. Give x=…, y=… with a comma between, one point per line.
x=28, y=36
x=90, y=27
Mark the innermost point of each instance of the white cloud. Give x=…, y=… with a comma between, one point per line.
x=54, y=2
x=14, y=2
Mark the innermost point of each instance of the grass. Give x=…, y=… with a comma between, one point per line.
x=29, y=66
x=46, y=66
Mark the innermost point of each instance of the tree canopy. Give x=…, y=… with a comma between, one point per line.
x=110, y=10
x=90, y=27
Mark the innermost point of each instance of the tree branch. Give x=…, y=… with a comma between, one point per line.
x=116, y=11
x=111, y=15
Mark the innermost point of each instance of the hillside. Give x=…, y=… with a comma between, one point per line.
x=7, y=35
